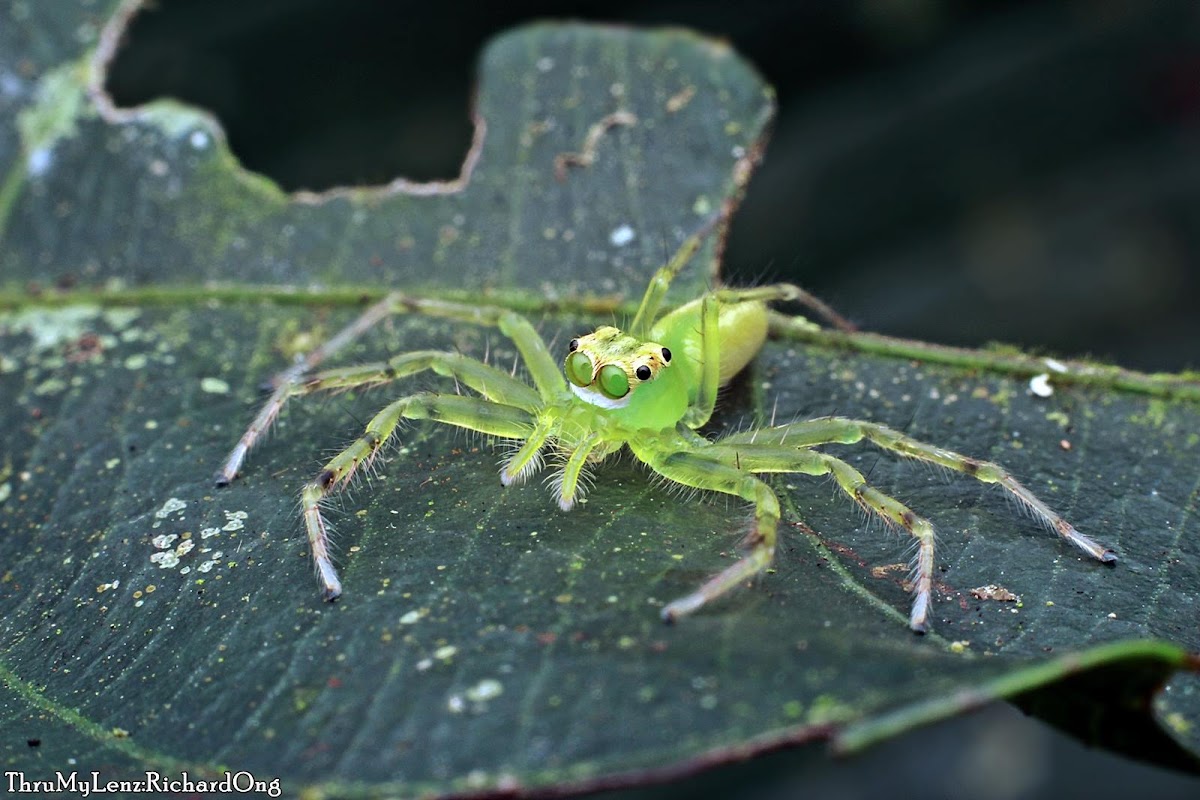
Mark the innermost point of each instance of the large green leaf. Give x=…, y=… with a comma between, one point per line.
x=487, y=640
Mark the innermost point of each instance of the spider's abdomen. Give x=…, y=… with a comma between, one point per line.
x=741, y=329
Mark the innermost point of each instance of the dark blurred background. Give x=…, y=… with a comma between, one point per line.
x=954, y=171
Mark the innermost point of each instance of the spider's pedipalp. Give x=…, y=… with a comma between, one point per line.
x=526, y=458
x=570, y=482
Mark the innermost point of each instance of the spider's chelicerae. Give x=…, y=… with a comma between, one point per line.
x=647, y=388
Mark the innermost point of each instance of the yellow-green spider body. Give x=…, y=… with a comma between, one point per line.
x=647, y=387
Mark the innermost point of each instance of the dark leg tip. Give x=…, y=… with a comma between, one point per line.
x=220, y=480
x=920, y=629
x=667, y=617
x=331, y=595
x=1109, y=557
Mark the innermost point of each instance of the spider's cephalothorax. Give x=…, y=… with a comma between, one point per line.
x=647, y=388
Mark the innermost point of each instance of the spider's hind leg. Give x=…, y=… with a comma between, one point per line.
x=764, y=457
x=840, y=430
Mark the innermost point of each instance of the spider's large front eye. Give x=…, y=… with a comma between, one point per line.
x=614, y=383
x=579, y=369
x=643, y=373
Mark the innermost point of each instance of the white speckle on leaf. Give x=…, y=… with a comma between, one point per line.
x=236, y=520
x=164, y=540
x=413, y=616
x=50, y=386
x=198, y=140
x=1054, y=365
x=621, y=235
x=1040, y=385
x=214, y=386
x=50, y=328
x=545, y=64
x=485, y=690
x=170, y=507
x=40, y=160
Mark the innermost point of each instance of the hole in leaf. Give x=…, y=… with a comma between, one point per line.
x=313, y=93
x=322, y=93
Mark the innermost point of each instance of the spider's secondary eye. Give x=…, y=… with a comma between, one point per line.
x=642, y=372
x=666, y=353
x=573, y=346
x=614, y=383
x=579, y=369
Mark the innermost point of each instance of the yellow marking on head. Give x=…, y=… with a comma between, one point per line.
x=609, y=364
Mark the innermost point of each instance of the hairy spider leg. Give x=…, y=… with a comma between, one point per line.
x=473, y=413
x=544, y=368
x=784, y=293
x=372, y=316
x=537, y=357
x=527, y=459
x=673, y=458
x=660, y=283
x=488, y=381
x=567, y=481
x=768, y=457
x=840, y=430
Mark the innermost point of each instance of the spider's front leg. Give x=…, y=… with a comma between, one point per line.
x=484, y=379
x=473, y=413
x=674, y=459
x=765, y=457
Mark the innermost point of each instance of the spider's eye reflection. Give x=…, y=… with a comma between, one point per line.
x=666, y=354
x=579, y=368
x=642, y=372
x=573, y=345
x=614, y=383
